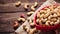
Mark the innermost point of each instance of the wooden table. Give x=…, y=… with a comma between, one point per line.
x=9, y=12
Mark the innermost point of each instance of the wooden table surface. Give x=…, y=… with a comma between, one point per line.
x=9, y=12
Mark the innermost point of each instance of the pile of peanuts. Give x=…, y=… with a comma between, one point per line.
x=48, y=16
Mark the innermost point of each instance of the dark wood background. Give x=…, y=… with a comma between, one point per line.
x=9, y=12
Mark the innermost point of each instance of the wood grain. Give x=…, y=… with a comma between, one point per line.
x=12, y=8
x=7, y=33
x=6, y=21
x=12, y=1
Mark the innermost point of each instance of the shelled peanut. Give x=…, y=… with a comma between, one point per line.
x=30, y=13
x=21, y=19
x=26, y=6
x=32, y=31
x=18, y=3
x=16, y=25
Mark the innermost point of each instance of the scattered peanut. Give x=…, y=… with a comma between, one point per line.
x=32, y=31
x=32, y=8
x=21, y=19
x=16, y=24
x=32, y=25
x=26, y=6
x=29, y=13
x=35, y=4
x=26, y=28
x=18, y=4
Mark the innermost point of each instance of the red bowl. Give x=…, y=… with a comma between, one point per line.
x=45, y=28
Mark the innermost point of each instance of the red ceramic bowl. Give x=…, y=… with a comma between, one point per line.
x=45, y=28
